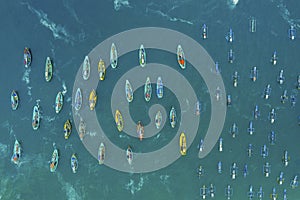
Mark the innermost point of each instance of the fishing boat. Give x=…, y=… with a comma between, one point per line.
x=158, y=119
x=48, y=69
x=129, y=155
x=180, y=57
x=159, y=88
x=16, y=153
x=92, y=99
x=14, y=99
x=82, y=129
x=27, y=57
x=182, y=144
x=173, y=117
x=140, y=130
x=74, y=163
x=36, y=117
x=101, y=153
x=119, y=121
x=67, y=129
x=113, y=56
x=292, y=32
x=142, y=56
x=86, y=68
x=197, y=109
x=204, y=31
x=147, y=90
x=78, y=99
x=59, y=101
x=128, y=91
x=54, y=160
x=101, y=69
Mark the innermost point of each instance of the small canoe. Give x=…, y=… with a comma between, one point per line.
x=173, y=117
x=82, y=129
x=142, y=56
x=180, y=57
x=59, y=102
x=182, y=144
x=159, y=88
x=54, y=160
x=74, y=163
x=16, y=153
x=140, y=130
x=48, y=69
x=129, y=155
x=27, y=57
x=67, y=129
x=86, y=68
x=101, y=69
x=14, y=99
x=147, y=90
x=78, y=99
x=158, y=119
x=101, y=153
x=113, y=56
x=36, y=117
x=92, y=99
x=119, y=121
x=128, y=91
x=197, y=109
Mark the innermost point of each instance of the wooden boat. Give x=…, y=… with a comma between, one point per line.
x=59, y=102
x=101, y=69
x=78, y=99
x=142, y=56
x=36, y=117
x=48, y=69
x=54, y=160
x=182, y=144
x=147, y=90
x=92, y=99
x=173, y=117
x=14, y=99
x=159, y=88
x=140, y=130
x=113, y=56
x=101, y=153
x=180, y=57
x=197, y=109
x=74, y=163
x=27, y=57
x=158, y=119
x=129, y=155
x=86, y=68
x=67, y=129
x=82, y=129
x=16, y=153
x=128, y=91
x=119, y=121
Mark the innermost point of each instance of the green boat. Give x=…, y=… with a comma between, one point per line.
x=148, y=89
x=59, y=101
x=48, y=69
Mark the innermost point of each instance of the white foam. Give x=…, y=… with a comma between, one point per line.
x=64, y=88
x=131, y=186
x=286, y=15
x=119, y=3
x=232, y=3
x=172, y=19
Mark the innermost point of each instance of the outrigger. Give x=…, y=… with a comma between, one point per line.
x=251, y=128
x=228, y=100
x=284, y=97
x=212, y=190
x=230, y=36
x=260, y=193
x=272, y=137
x=292, y=32
x=274, y=58
x=251, y=192
x=234, y=130
x=245, y=173
x=254, y=74
x=221, y=144
x=233, y=171
x=235, y=79
x=230, y=56
x=274, y=195
x=204, y=31
x=249, y=150
x=280, y=179
x=220, y=167
x=294, y=183
x=264, y=151
x=228, y=192
x=267, y=169
x=281, y=78
x=285, y=158
x=203, y=192
x=256, y=112
x=267, y=91
x=252, y=25
x=272, y=116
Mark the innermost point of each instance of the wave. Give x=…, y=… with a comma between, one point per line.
x=26, y=79
x=9, y=127
x=71, y=10
x=135, y=188
x=119, y=3
x=286, y=15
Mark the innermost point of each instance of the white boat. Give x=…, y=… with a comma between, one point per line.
x=86, y=69
x=159, y=88
x=147, y=90
x=59, y=101
x=113, y=56
x=16, y=153
x=142, y=56
x=128, y=91
x=173, y=117
x=36, y=117
x=180, y=57
x=54, y=160
x=101, y=153
x=129, y=155
x=78, y=99
x=74, y=163
x=158, y=119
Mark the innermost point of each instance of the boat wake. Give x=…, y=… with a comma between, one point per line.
x=135, y=188
x=119, y=3
x=286, y=15
x=8, y=127
x=71, y=10
x=26, y=79
x=71, y=192
x=64, y=88
x=3, y=150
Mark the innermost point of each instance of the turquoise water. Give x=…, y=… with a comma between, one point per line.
x=68, y=30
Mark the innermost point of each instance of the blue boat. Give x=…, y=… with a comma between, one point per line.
x=292, y=32
x=159, y=88
x=230, y=36
x=231, y=56
x=204, y=31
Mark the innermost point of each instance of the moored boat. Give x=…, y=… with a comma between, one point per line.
x=140, y=130
x=59, y=102
x=197, y=109
x=78, y=99
x=180, y=57
x=101, y=154
x=173, y=117
x=147, y=90
x=119, y=121
x=158, y=119
x=54, y=160
x=16, y=153
x=128, y=91
x=159, y=88
x=142, y=56
x=74, y=163
x=129, y=155
x=36, y=117
x=14, y=99
x=92, y=99
x=101, y=69
x=27, y=57
x=86, y=68
x=82, y=129
x=204, y=31
x=48, y=69
x=182, y=144
x=113, y=56
x=67, y=129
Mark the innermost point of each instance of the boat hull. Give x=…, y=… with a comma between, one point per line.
x=54, y=161
x=59, y=102
x=180, y=57
x=14, y=99
x=101, y=70
x=142, y=56
x=36, y=117
x=159, y=88
x=74, y=163
x=173, y=117
x=86, y=68
x=113, y=56
x=129, y=155
x=101, y=154
x=128, y=91
x=16, y=153
x=92, y=99
x=48, y=69
x=182, y=144
x=119, y=121
x=67, y=129
x=78, y=100
x=27, y=57
x=158, y=119
x=140, y=130
x=82, y=129
x=147, y=90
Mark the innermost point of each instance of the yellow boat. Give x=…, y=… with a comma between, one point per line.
x=101, y=69
x=67, y=129
x=93, y=99
x=119, y=121
x=182, y=144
